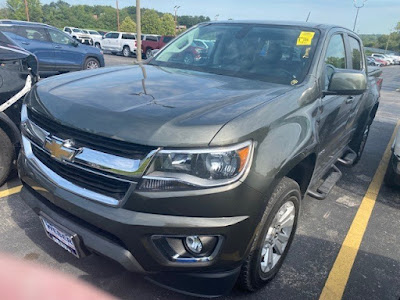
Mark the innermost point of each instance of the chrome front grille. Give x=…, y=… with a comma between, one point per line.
x=68, y=160
x=89, y=140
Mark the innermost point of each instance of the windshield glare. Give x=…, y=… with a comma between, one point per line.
x=270, y=53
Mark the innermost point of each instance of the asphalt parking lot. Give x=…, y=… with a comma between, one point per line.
x=323, y=228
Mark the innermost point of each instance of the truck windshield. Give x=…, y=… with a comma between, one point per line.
x=279, y=54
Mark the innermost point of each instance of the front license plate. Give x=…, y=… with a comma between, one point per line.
x=62, y=238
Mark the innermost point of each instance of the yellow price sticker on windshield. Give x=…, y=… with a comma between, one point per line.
x=305, y=38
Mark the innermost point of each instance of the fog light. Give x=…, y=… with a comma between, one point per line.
x=193, y=243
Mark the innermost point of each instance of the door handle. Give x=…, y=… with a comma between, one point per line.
x=57, y=47
x=25, y=43
x=350, y=99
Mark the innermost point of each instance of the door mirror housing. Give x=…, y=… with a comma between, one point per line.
x=347, y=82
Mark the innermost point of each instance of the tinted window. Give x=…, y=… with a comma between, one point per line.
x=94, y=32
x=67, y=30
x=59, y=37
x=336, y=55
x=128, y=37
x=31, y=33
x=261, y=52
x=112, y=35
x=167, y=39
x=152, y=38
x=355, y=49
x=76, y=30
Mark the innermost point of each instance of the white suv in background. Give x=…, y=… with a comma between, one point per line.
x=95, y=36
x=120, y=42
x=78, y=34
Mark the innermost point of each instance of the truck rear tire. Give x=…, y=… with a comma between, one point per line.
x=149, y=53
x=358, y=143
x=272, y=242
x=126, y=51
x=7, y=154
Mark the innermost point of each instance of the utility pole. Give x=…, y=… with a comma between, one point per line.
x=176, y=7
x=27, y=10
x=358, y=9
x=138, y=33
x=216, y=17
x=117, y=16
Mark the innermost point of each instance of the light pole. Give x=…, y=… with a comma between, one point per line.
x=176, y=7
x=358, y=9
x=138, y=33
x=27, y=10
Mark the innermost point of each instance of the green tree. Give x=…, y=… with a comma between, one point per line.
x=151, y=22
x=128, y=25
x=167, y=25
x=16, y=10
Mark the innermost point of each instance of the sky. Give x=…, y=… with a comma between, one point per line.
x=377, y=16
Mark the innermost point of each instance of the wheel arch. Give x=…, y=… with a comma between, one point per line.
x=10, y=128
x=303, y=171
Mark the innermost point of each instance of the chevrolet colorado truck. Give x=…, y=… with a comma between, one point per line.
x=194, y=173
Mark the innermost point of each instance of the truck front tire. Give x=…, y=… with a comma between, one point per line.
x=273, y=240
x=7, y=154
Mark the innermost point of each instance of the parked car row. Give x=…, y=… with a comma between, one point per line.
x=378, y=59
x=56, y=51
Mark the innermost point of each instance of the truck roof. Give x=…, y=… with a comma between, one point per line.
x=283, y=23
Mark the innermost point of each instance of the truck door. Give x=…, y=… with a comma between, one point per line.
x=335, y=109
x=356, y=62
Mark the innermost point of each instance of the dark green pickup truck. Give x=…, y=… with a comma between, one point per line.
x=193, y=172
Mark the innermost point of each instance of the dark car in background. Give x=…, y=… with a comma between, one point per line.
x=16, y=65
x=392, y=176
x=55, y=50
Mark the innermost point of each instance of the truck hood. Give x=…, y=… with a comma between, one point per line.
x=150, y=105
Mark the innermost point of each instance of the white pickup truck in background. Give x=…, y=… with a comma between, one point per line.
x=78, y=35
x=95, y=36
x=119, y=42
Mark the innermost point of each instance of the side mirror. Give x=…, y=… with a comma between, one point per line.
x=347, y=83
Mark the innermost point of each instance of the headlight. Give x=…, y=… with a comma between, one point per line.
x=205, y=168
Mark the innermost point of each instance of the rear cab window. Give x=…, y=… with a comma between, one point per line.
x=356, y=54
x=127, y=36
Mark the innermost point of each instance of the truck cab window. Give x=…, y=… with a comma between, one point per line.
x=355, y=48
x=335, y=57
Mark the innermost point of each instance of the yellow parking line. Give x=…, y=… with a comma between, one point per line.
x=11, y=191
x=339, y=275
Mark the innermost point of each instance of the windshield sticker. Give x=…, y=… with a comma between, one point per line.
x=305, y=38
x=294, y=82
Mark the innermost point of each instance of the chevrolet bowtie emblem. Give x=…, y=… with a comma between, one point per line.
x=59, y=149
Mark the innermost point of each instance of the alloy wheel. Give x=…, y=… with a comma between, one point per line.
x=277, y=236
